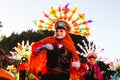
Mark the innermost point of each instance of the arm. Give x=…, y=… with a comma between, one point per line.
x=9, y=60
x=43, y=47
x=38, y=59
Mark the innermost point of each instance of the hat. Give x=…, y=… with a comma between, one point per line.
x=62, y=25
x=91, y=55
x=24, y=59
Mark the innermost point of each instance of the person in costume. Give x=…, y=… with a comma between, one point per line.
x=94, y=72
x=23, y=69
x=89, y=50
x=116, y=75
x=56, y=56
x=116, y=67
x=60, y=50
x=4, y=74
x=21, y=53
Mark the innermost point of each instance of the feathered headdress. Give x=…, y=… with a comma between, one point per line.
x=89, y=48
x=116, y=64
x=78, y=25
x=22, y=50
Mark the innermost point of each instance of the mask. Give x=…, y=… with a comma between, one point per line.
x=60, y=33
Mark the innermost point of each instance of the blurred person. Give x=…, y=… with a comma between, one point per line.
x=4, y=74
x=116, y=75
x=23, y=69
x=93, y=72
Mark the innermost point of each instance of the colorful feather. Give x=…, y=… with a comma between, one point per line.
x=79, y=25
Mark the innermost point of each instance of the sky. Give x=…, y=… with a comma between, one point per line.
x=18, y=15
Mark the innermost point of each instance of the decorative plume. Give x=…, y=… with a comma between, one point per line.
x=116, y=64
x=89, y=47
x=79, y=25
x=22, y=50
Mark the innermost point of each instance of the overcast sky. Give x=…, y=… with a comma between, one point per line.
x=17, y=16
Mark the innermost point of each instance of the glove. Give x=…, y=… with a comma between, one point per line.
x=76, y=64
x=46, y=46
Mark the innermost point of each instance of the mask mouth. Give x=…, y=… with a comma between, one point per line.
x=60, y=37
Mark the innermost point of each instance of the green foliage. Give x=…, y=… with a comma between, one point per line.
x=7, y=43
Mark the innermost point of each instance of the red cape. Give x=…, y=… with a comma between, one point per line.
x=38, y=62
x=6, y=75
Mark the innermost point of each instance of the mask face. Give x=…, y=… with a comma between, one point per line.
x=60, y=33
x=92, y=61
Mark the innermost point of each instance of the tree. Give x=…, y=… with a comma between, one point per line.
x=7, y=43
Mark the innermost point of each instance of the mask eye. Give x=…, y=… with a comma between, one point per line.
x=56, y=30
x=61, y=30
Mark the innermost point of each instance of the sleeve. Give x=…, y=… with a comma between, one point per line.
x=98, y=73
x=78, y=74
x=37, y=62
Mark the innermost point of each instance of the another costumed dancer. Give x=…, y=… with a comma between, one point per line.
x=4, y=74
x=116, y=67
x=90, y=51
x=54, y=57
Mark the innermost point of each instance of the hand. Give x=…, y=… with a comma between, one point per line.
x=49, y=46
x=46, y=46
x=76, y=64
